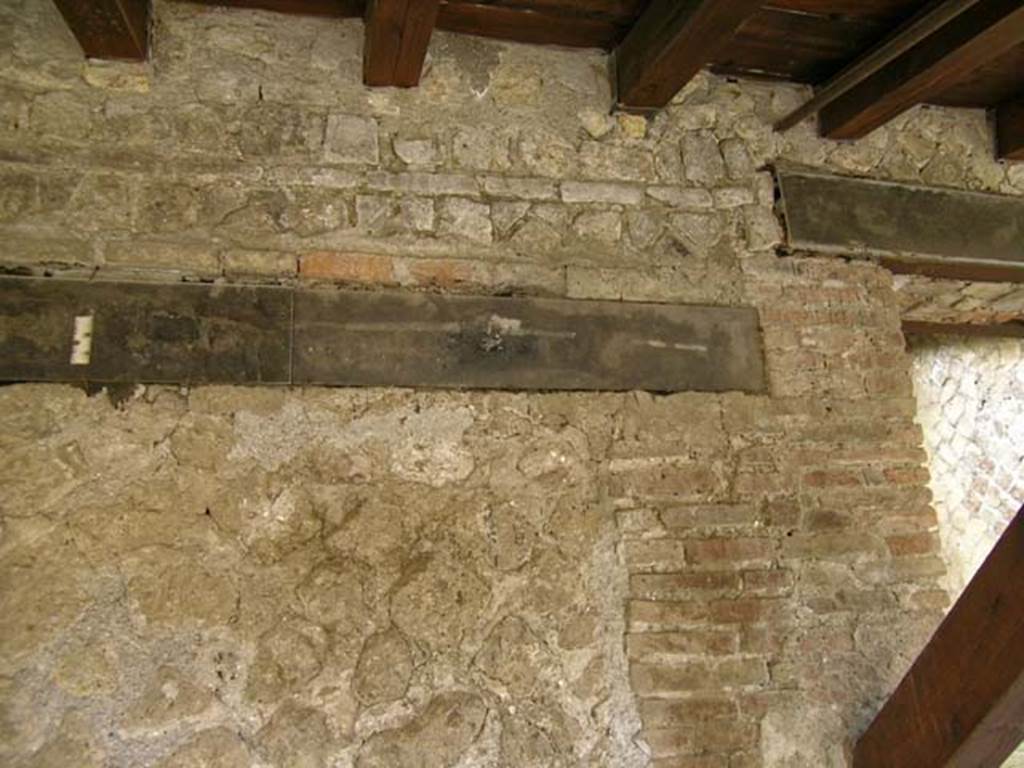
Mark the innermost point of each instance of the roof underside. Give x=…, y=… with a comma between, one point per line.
x=805, y=41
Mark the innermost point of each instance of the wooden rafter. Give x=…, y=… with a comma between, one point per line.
x=974, y=38
x=108, y=29
x=670, y=43
x=397, y=35
x=918, y=29
x=1010, y=130
x=962, y=702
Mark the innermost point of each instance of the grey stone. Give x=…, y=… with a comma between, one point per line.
x=267, y=130
x=384, y=668
x=523, y=189
x=420, y=153
x=733, y=197
x=597, y=192
x=703, y=159
x=351, y=139
x=600, y=226
x=447, y=728
x=603, y=160
x=682, y=197
x=597, y=124
x=484, y=149
x=423, y=183
x=315, y=210
x=296, y=736
x=466, y=219
x=506, y=215
x=644, y=228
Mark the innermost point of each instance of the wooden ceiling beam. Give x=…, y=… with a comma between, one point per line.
x=670, y=43
x=971, y=40
x=1010, y=130
x=325, y=8
x=109, y=29
x=962, y=702
x=397, y=35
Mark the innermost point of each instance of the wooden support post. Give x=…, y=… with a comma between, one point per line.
x=970, y=40
x=962, y=702
x=397, y=35
x=670, y=43
x=108, y=29
x=1010, y=130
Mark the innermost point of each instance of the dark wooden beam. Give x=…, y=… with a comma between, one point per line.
x=397, y=35
x=972, y=39
x=1010, y=130
x=962, y=702
x=911, y=229
x=537, y=26
x=121, y=333
x=670, y=43
x=109, y=29
x=327, y=8
x=917, y=29
x=971, y=271
x=1010, y=330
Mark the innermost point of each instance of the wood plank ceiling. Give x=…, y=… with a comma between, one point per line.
x=974, y=60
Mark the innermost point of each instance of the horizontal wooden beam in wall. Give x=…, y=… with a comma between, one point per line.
x=117, y=332
x=108, y=29
x=921, y=230
x=517, y=343
x=54, y=330
x=1010, y=330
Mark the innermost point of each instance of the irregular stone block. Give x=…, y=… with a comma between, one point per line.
x=351, y=139
x=597, y=192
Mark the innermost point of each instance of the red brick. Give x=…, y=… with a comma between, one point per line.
x=710, y=515
x=901, y=570
x=768, y=639
x=647, y=615
x=715, y=641
x=917, y=475
x=684, y=677
x=750, y=610
x=681, y=586
x=724, y=735
x=440, y=273
x=739, y=550
x=828, y=478
x=826, y=546
x=768, y=583
x=654, y=555
x=666, y=713
x=913, y=544
x=345, y=267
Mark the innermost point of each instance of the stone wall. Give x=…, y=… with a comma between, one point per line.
x=970, y=396
x=235, y=577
